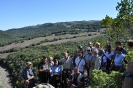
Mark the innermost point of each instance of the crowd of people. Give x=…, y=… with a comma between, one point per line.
x=71, y=71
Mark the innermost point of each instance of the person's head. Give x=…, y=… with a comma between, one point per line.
x=56, y=62
x=119, y=49
x=117, y=43
x=97, y=45
x=65, y=55
x=100, y=53
x=90, y=44
x=44, y=59
x=76, y=70
x=80, y=48
x=95, y=52
x=89, y=50
x=28, y=65
x=50, y=59
x=130, y=44
x=108, y=47
x=80, y=55
x=75, y=54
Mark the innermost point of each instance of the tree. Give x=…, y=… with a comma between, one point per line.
x=121, y=27
x=125, y=14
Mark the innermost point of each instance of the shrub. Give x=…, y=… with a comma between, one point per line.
x=103, y=80
x=129, y=56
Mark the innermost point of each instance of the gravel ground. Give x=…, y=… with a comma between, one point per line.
x=4, y=78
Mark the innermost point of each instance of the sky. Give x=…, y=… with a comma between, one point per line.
x=21, y=13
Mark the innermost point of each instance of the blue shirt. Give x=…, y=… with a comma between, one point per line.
x=119, y=59
x=57, y=69
x=103, y=60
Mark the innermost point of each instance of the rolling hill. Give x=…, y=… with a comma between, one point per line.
x=42, y=30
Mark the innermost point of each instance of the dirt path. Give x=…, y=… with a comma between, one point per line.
x=4, y=78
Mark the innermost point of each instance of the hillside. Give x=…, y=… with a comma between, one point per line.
x=42, y=30
x=6, y=38
x=48, y=28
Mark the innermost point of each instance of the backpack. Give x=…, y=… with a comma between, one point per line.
x=108, y=62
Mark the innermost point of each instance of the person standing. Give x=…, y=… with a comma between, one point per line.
x=80, y=63
x=67, y=63
x=50, y=65
x=96, y=61
x=43, y=70
x=56, y=73
x=118, y=61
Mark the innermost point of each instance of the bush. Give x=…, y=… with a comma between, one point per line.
x=103, y=80
x=129, y=56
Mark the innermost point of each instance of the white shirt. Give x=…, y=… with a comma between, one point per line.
x=80, y=64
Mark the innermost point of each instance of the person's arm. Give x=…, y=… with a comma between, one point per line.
x=31, y=78
x=128, y=80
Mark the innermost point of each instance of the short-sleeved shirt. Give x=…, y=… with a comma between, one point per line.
x=119, y=59
x=80, y=63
